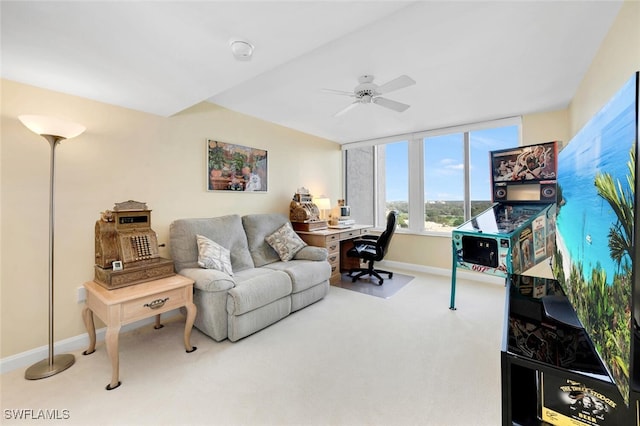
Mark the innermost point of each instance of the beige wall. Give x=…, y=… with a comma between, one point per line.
x=617, y=59
x=545, y=127
x=615, y=62
x=123, y=155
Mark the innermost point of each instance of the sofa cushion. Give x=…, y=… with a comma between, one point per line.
x=304, y=274
x=257, y=228
x=285, y=242
x=212, y=255
x=224, y=230
x=256, y=288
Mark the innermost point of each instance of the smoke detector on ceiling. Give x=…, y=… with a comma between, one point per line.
x=242, y=50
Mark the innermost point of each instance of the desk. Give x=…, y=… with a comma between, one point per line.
x=337, y=241
x=128, y=304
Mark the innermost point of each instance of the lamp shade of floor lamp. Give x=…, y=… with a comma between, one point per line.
x=54, y=131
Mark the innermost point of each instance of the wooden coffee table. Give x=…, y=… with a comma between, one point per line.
x=129, y=304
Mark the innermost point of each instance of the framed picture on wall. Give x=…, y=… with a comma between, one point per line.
x=232, y=167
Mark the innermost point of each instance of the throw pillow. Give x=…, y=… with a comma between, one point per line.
x=212, y=255
x=285, y=242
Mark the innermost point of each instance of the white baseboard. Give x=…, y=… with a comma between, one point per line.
x=27, y=358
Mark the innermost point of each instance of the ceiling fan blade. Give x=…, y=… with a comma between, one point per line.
x=388, y=103
x=347, y=108
x=395, y=84
x=339, y=92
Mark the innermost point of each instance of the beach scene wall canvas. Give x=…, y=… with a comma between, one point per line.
x=594, y=258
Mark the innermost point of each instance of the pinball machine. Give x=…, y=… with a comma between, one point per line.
x=518, y=231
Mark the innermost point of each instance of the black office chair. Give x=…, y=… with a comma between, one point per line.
x=372, y=248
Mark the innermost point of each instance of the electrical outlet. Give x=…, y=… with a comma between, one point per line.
x=82, y=294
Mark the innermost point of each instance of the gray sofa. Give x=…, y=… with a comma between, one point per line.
x=262, y=290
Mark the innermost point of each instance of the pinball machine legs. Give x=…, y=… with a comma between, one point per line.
x=454, y=268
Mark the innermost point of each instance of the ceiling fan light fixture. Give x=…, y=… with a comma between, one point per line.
x=242, y=50
x=367, y=92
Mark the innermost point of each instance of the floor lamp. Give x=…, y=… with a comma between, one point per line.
x=53, y=130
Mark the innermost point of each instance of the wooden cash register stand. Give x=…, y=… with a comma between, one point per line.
x=132, y=281
x=129, y=304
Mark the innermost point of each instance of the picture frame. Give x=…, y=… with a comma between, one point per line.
x=236, y=168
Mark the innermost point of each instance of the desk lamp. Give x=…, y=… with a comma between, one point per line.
x=323, y=204
x=53, y=130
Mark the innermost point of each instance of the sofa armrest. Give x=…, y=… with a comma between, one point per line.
x=312, y=253
x=210, y=280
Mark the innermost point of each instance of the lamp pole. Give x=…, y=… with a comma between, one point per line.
x=54, y=131
x=54, y=364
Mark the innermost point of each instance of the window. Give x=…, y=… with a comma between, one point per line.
x=436, y=180
x=443, y=182
x=395, y=179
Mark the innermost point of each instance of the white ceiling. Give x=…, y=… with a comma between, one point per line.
x=472, y=61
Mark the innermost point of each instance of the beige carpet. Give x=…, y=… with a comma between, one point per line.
x=350, y=359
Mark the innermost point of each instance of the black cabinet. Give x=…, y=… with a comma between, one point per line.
x=551, y=373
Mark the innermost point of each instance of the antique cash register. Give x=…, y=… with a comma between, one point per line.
x=304, y=214
x=127, y=248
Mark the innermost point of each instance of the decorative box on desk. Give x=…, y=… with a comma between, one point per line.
x=518, y=231
x=551, y=373
x=310, y=225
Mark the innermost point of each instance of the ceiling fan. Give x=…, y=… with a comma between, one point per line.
x=368, y=92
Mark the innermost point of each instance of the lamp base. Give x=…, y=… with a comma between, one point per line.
x=44, y=369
